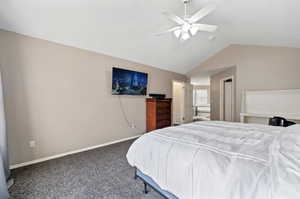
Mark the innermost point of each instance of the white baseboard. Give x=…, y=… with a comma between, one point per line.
x=70, y=153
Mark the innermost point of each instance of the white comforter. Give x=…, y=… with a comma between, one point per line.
x=221, y=160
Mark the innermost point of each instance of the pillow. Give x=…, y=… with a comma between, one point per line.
x=294, y=128
x=290, y=138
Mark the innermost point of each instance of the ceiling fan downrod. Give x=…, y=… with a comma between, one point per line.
x=186, y=2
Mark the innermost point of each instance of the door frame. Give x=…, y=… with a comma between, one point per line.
x=222, y=81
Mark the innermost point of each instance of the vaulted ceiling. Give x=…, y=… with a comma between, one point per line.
x=124, y=28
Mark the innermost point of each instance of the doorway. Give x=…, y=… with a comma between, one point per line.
x=227, y=103
x=201, y=102
x=178, y=89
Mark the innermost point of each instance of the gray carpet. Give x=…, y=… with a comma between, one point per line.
x=100, y=173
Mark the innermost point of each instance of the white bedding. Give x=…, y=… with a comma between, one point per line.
x=221, y=160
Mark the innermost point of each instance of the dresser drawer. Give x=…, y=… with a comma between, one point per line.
x=163, y=116
x=163, y=110
x=163, y=104
x=163, y=123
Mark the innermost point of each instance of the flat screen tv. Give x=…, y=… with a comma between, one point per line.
x=127, y=82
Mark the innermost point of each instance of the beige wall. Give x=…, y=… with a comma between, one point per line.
x=258, y=67
x=215, y=86
x=60, y=97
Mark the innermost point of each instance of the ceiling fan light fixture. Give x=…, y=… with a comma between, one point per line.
x=185, y=36
x=188, y=26
x=177, y=33
x=194, y=30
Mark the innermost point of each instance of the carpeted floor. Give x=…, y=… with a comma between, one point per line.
x=98, y=174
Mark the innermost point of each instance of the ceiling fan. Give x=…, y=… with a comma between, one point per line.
x=188, y=26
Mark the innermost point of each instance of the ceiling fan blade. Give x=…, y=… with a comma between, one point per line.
x=174, y=18
x=169, y=30
x=205, y=27
x=202, y=13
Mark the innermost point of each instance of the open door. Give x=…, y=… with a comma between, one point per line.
x=188, y=106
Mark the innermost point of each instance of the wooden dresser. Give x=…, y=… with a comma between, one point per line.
x=158, y=113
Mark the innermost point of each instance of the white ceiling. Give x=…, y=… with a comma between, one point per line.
x=124, y=28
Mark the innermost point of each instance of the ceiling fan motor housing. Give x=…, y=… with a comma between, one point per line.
x=186, y=1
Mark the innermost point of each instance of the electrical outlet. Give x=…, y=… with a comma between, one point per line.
x=32, y=144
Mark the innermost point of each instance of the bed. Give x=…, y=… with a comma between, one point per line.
x=220, y=160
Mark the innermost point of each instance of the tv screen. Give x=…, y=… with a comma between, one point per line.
x=127, y=82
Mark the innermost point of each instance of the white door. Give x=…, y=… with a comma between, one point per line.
x=228, y=91
x=188, y=106
x=178, y=102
